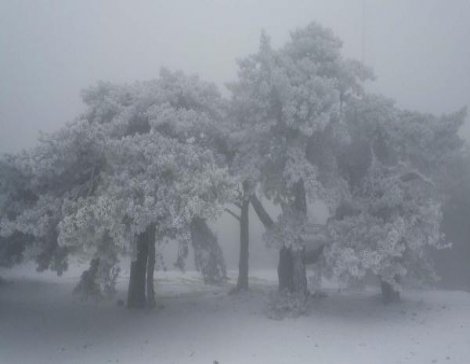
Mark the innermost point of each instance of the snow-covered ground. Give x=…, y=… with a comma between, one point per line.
x=42, y=322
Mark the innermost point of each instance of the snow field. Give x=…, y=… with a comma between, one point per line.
x=41, y=321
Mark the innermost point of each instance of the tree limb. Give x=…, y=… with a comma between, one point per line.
x=232, y=213
x=261, y=212
x=238, y=204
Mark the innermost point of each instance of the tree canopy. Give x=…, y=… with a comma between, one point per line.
x=153, y=161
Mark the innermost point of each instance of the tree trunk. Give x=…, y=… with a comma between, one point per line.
x=243, y=264
x=299, y=273
x=284, y=270
x=312, y=256
x=300, y=199
x=208, y=255
x=291, y=270
x=150, y=265
x=389, y=293
x=136, y=292
x=284, y=267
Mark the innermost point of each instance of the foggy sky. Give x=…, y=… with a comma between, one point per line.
x=50, y=50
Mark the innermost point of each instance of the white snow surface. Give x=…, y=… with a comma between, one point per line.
x=41, y=321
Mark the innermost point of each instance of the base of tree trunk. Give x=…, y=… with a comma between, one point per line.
x=284, y=270
x=299, y=273
x=136, y=292
x=389, y=293
x=243, y=262
x=151, y=303
x=140, y=293
x=242, y=285
x=291, y=271
x=208, y=257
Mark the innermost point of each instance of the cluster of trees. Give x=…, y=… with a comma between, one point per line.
x=153, y=162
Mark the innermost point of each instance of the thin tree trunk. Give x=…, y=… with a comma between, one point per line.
x=150, y=265
x=243, y=263
x=136, y=292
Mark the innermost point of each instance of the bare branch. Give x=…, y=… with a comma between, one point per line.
x=261, y=212
x=239, y=205
x=233, y=214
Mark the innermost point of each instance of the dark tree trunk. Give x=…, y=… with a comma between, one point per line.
x=299, y=273
x=150, y=236
x=88, y=286
x=53, y=256
x=284, y=267
x=208, y=255
x=243, y=263
x=136, y=292
x=291, y=270
x=300, y=199
x=284, y=270
x=389, y=293
x=312, y=256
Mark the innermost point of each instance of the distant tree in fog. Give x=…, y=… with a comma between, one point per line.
x=452, y=265
x=392, y=213
x=36, y=184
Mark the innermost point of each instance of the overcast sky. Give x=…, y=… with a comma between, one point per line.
x=50, y=50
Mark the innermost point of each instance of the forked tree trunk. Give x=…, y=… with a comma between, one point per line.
x=291, y=270
x=285, y=267
x=243, y=263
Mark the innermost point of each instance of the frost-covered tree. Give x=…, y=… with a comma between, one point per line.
x=15, y=196
x=135, y=168
x=391, y=213
x=282, y=99
x=162, y=180
x=36, y=184
x=182, y=108
x=153, y=188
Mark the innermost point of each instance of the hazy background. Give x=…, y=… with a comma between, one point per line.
x=50, y=50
